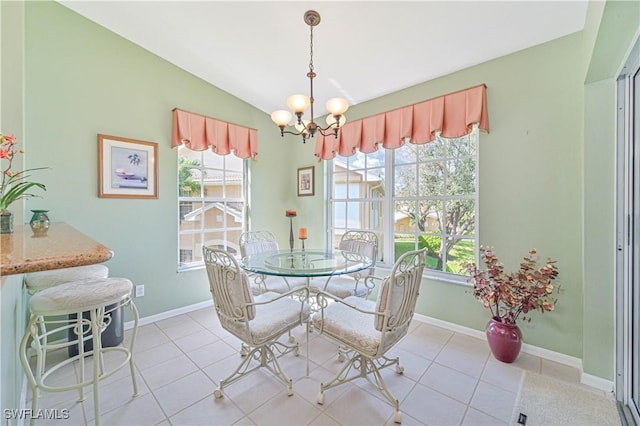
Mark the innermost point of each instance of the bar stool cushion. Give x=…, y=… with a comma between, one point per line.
x=81, y=295
x=38, y=281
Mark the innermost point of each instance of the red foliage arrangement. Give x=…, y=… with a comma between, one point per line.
x=510, y=295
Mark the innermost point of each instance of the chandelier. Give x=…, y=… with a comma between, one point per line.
x=299, y=103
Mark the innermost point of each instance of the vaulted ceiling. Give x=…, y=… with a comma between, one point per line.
x=259, y=51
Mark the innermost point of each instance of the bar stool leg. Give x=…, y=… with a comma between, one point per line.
x=96, y=321
x=25, y=365
x=134, y=333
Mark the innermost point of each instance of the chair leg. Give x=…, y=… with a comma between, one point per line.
x=266, y=357
x=365, y=368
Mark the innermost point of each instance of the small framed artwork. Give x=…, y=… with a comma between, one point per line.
x=306, y=181
x=127, y=168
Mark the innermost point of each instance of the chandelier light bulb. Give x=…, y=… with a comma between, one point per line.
x=298, y=103
x=337, y=106
x=281, y=117
x=331, y=121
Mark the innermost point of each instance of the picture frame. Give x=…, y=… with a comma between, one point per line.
x=127, y=168
x=306, y=181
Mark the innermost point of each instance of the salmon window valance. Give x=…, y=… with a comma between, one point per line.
x=451, y=115
x=199, y=132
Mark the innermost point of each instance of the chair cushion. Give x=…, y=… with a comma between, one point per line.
x=381, y=302
x=78, y=296
x=38, y=281
x=271, y=319
x=350, y=326
x=340, y=286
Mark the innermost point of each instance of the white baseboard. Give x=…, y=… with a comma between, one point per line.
x=587, y=379
x=597, y=382
x=168, y=314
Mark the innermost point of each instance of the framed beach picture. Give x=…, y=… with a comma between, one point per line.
x=306, y=178
x=127, y=168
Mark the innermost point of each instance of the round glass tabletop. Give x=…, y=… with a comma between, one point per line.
x=305, y=263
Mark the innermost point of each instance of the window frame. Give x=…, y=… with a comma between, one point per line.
x=204, y=200
x=388, y=206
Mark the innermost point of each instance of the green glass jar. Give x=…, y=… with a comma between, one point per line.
x=39, y=222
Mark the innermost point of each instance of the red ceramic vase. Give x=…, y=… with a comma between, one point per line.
x=505, y=340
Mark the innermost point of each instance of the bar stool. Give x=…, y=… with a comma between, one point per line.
x=38, y=281
x=49, y=310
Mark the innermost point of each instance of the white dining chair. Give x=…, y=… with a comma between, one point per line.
x=257, y=321
x=370, y=329
x=359, y=283
x=254, y=242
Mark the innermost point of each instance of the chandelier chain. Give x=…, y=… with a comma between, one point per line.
x=311, y=49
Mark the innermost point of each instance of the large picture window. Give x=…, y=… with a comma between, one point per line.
x=421, y=195
x=211, y=203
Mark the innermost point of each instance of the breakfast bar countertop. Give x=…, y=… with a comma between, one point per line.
x=62, y=247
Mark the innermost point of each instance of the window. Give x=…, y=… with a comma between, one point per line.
x=211, y=203
x=423, y=195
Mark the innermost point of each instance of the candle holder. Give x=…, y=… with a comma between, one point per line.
x=290, y=214
x=302, y=239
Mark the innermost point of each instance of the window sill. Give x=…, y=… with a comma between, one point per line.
x=430, y=275
x=190, y=268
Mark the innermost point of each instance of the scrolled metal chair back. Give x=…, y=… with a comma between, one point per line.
x=228, y=285
x=361, y=242
x=253, y=242
x=399, y=292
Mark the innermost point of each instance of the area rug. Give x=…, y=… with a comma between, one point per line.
x=548, y=401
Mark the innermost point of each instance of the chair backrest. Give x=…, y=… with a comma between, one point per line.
x=253, y=242
x=361, y=242
x=229, y=287
x=399, y=291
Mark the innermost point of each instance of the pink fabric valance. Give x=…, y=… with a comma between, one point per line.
x=198, y=132
x=451, y=115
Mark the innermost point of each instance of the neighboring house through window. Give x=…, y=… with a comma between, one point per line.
x=211, y=198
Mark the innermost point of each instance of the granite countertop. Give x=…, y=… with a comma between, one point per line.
x=62, y=247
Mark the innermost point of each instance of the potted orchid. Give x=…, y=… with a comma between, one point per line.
x=511, y=296
x=13, y=185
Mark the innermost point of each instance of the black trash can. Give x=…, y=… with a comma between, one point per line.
x=111, y=336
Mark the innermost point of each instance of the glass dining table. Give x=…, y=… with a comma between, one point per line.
x=305, y=263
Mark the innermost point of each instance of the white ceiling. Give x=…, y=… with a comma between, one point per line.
x=259, y=51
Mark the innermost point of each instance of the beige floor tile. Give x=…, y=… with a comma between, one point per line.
x=450, y=382
x=209, y=354
x=285, y=410
x=184, y=392
x=474, y=417
x=430, y=407
x=505, y=376
x=209, y=411
x=466, y=359
x=355, y=407
x=168, y=371
x=156, y=355
x=195, y=340
x=493, y=401
x=143, y=410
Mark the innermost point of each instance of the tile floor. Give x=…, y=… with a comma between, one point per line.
x=449, y=379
